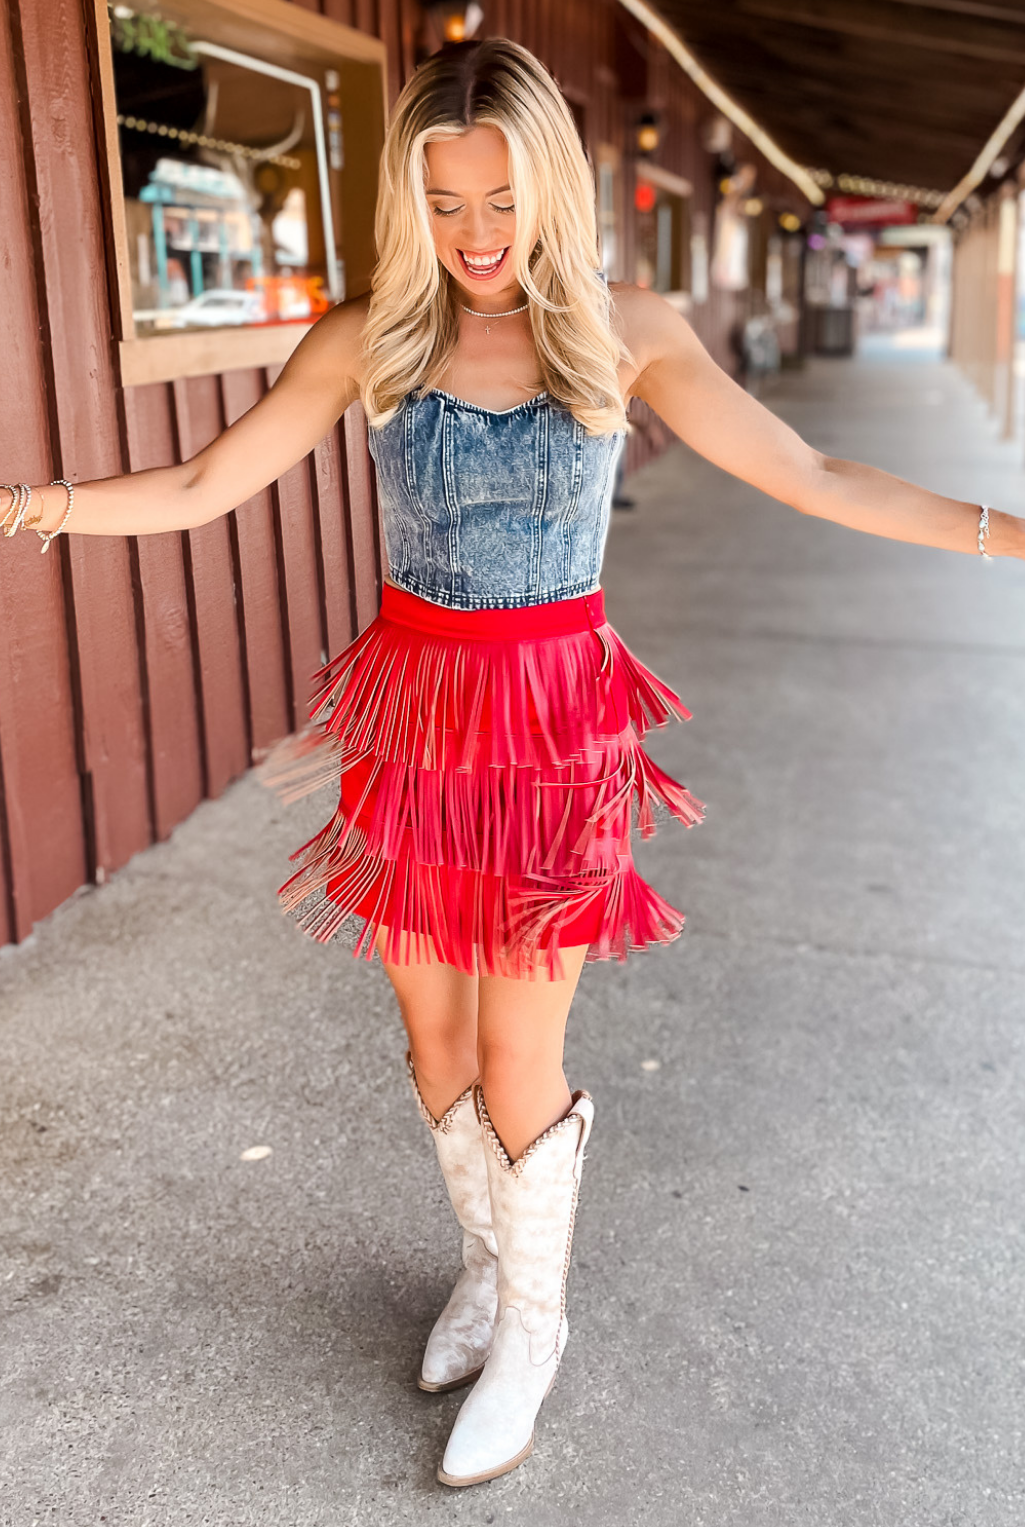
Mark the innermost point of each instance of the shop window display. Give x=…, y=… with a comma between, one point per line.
x=237, y=208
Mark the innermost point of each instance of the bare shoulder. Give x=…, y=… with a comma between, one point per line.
x=336, y=339
x=646, y=323
x=328, y=360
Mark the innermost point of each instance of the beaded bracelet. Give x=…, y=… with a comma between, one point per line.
x=17, y=511
x=984, y=530
x=15, y=504
x=21, y=498
x=47, y=536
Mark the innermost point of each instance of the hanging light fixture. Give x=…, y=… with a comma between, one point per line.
x=647, y=133
x=458, y=19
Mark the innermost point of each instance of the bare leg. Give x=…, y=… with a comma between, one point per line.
x=438, y=1005
x=521, y=1028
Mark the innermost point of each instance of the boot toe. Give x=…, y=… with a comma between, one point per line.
x=486, y=1470
x=494, y=1430
x=445, y=1367
x=483, y=1451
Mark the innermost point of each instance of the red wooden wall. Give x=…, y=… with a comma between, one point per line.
x=138, y=676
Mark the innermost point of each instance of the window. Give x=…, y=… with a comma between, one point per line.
x=238, y=216
x=662, y=230
x=609, y=216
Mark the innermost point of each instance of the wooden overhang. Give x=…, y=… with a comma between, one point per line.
x=896, y=90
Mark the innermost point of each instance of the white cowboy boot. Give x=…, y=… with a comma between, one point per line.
x=533, y=1205
x=462, y=1335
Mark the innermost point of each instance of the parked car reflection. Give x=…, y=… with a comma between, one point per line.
x=263, y=300
x=218, y=307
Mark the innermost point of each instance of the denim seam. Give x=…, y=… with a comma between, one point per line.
x=408, y=426
x=569, y=514
x=601, y=519
x=541, y=471
x=451, y=499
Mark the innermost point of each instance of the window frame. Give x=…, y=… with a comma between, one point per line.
x=165, y=357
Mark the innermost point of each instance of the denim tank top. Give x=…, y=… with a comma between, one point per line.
x=493, y=509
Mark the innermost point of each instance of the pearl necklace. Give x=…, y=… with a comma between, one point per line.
x=487, y=327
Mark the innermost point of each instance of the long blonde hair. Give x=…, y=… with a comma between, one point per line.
x=412, y=323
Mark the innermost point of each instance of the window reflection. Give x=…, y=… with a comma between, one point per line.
x=231, y=168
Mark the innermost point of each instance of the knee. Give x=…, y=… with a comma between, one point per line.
x=440, y=1043
x=513, y=1064
x=437, y=1019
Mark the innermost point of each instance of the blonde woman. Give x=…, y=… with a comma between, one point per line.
x=486, y=727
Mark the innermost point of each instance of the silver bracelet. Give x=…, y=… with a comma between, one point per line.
x=21, y=497
x=984, y=530
x=46, y=536
x=14, y=489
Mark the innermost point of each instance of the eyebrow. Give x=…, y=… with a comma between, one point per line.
x=436, y=191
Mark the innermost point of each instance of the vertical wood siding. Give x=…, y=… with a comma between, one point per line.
x=138, y=676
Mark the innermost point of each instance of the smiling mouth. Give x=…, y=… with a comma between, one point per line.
x=483, y=267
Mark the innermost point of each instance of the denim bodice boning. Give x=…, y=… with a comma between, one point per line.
x=486, y=509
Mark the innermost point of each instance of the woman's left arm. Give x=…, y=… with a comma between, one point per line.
x=722, y=422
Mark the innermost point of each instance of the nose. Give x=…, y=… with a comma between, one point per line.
x=480, y=230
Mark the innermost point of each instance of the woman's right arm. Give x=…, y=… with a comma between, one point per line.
x=316, y=386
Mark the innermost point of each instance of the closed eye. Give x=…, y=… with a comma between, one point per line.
x=451, y=211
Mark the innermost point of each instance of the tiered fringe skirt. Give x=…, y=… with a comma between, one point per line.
x=490, y=776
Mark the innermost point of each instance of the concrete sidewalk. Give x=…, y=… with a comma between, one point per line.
x=800, y=1262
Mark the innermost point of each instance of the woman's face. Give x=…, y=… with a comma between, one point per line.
x=473, y=214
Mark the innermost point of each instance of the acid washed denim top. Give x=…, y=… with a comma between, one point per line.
x=493, y=509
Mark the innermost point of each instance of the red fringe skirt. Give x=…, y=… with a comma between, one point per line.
x=490, y=774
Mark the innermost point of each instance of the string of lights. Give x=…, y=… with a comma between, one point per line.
x=863, y=185
x=675, y=46
x=181, y=135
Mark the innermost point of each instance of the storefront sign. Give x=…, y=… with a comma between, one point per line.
x=869, y=209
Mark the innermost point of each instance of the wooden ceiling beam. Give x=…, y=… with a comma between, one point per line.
x=865, y=99
x=1001, y=13
x=874, y=144
x=878, y=23
x=774, y=50
x=890, y=156
x=791, y=105
x=925, y=112
x=973, y=98
x=965, y=103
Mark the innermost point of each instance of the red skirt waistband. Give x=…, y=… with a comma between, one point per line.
x=522, y=623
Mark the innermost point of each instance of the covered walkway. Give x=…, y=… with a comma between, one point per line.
x=800, y=1257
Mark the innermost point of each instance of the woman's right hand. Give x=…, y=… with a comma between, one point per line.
x=316, y=386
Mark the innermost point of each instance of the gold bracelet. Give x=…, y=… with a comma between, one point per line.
x=21, y=495
x=34, y=521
